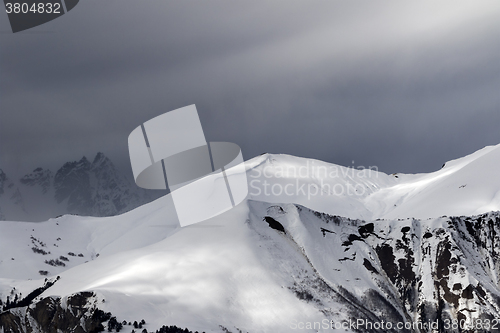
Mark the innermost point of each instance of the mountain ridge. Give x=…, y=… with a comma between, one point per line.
x=296, y=263
x=81, y=187
x=464, y=186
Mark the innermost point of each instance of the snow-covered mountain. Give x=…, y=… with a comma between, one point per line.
x=82, y=187
x=338, y=251
x=466, y=186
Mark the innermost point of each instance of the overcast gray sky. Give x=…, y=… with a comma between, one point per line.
x=401, y=85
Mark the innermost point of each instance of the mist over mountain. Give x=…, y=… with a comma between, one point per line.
x=81, y=187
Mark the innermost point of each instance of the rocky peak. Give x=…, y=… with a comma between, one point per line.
x=102, y=164
x=72, y=182
x=3, y=179
x=83, y=163
x=110, y=189
x=39, y=177
x=72, y=169
x=83, y=187
x=100, y=159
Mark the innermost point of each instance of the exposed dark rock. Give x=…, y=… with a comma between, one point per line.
x=31, y=296
x=274, y=224
x=40, y=177
x=324, y=231
x=369, y=266
x=11, y=323
x=3, y=180
x=405, y=229
x=79, y=315
x=351, y=238
x=366, y=230
x=72, y=182
x=387, y=260
x=468, y=292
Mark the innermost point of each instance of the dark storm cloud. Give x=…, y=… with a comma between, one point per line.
x=401, y=86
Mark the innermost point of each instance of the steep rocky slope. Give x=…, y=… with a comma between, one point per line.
x=272, y=268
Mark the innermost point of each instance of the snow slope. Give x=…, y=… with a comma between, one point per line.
x=238, y=272
x=269, y=265
x=465, y=186
x=199, y=277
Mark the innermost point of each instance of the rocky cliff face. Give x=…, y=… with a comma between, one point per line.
x=267, y=267
x=81, y=187
x=39, y=177
x=3, y=180
x=111, y=192
x=77, y=313
x=410, y=275
x=72, y=184
x=440, y=274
